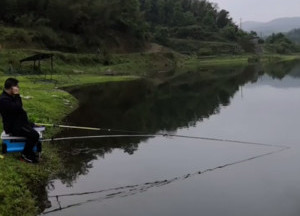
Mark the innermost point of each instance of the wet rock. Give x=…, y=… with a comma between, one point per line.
x=78, y=71
x=47, y=204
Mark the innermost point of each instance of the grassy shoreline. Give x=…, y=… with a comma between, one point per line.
x=229, y=61
x=47, y=103
x=147, y=64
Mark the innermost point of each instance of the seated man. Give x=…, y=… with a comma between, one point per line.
x=15, y=120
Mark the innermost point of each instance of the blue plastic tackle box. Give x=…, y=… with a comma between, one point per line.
x=11, y=144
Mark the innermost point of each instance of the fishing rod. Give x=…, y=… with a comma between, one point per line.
x=95, y=137
x=70, y=127
x=141, y=134
x=134, y=189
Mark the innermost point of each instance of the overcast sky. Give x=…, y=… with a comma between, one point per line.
x=260, y=10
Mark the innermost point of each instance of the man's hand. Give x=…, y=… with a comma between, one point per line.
x=15, y=90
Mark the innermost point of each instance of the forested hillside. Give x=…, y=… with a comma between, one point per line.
x=294, y=35
x=280, y=43
x=77, y=25
x=189, y=18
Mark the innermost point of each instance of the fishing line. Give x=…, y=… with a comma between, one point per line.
x=177, y=178
x=140, y=188
x=134, y=189
x=142, y=134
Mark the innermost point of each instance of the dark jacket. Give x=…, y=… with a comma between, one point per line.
x=12, y=112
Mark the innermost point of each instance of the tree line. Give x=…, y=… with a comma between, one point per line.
x=94, y=22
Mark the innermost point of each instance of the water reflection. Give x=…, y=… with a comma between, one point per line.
x=130, y=190
x=178, y=102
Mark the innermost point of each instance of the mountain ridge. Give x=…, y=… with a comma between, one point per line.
x=284, y=24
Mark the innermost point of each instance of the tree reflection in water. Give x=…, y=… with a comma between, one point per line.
x=141, y=105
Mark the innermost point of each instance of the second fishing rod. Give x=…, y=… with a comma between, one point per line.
x=133, y=133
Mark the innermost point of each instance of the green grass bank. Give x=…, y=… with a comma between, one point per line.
x=45, y=102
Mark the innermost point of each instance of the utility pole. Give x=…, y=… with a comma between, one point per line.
x=241, y=23
x=242, y=93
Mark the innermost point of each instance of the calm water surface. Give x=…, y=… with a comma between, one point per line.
x=163, y=176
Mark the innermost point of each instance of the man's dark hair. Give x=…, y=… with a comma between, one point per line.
x=10, y=82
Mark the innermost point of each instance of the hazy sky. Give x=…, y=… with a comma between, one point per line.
x=260, y=10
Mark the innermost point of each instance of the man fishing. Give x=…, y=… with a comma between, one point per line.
x=15, y=119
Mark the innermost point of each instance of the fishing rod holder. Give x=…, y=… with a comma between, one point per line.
x=13, y=144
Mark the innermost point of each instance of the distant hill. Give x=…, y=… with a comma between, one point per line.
x=274, y=26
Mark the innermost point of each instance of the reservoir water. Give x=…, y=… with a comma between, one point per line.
x=173, y=176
